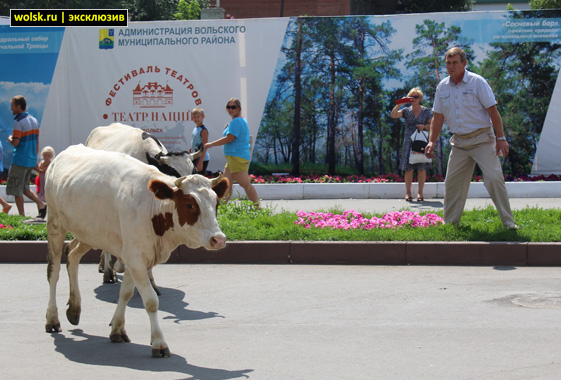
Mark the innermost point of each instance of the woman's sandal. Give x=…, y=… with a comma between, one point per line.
x=409, y=199
x=420, y=199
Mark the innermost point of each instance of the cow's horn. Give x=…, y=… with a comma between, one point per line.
x=178, y=181
x=197, y=154
x=216, y=181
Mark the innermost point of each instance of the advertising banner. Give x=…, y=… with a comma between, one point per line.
x=28, y=57
x=151, y=75
x=351, y=71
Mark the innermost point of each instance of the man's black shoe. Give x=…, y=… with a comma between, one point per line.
x=43, y=212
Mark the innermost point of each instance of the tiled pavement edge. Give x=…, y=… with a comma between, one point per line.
x=357, y=253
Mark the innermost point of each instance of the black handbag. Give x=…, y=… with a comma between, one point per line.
x=420, y=141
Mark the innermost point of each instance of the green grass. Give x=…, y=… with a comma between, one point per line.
x=241, y=222
x=21, y=231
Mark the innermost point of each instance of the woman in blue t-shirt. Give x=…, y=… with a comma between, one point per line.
x=237, y=151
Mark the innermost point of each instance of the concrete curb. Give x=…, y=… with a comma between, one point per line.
x=339, y=253
x=392, y=190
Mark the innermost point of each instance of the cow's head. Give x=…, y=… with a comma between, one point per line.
x=176, y=164
x=195, y=201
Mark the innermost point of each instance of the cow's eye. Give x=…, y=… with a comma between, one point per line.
x=189, y=206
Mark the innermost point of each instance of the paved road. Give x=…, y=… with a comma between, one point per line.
x=298, y=322
x=295, y=322
x=387, y=205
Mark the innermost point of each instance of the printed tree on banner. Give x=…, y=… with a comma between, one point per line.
x=276, y=140
x=351, y=58
x=369, y=60
x=327, y=63
x=331, y=82
x=428, y=63
x=296, y=133
x=276, y=134
x=523, y=76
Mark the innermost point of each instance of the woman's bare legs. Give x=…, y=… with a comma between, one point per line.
x=242, y=178
x=408, y=181
x=421, y=178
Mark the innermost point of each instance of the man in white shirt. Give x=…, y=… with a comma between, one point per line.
x=467, y=103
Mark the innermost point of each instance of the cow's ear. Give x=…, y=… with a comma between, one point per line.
x=221, y=187
x=160, y=189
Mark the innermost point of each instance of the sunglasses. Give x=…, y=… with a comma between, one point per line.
x=231, y=107
x=416, y=96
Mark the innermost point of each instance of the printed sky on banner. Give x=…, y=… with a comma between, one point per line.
x=20, y=52
x=152, y=75
x=501, y=30
x=20, y=73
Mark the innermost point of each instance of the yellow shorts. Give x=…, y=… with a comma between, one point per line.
x=237, y=164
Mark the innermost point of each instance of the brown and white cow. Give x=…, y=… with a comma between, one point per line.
x=145, y=147
x=113, y=202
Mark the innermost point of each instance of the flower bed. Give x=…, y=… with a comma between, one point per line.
x=353, y=220
x=387, y=178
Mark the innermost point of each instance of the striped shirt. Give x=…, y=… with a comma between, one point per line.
x=26, y=129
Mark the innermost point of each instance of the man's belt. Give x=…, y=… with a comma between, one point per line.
x=477, y=132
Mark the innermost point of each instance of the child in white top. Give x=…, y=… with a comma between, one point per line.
x=199, y=139
x=47, y=155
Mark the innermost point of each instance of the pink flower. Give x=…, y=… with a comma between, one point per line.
x=351, y=219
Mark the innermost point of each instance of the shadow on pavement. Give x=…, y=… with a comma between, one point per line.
x=95, y=350
x=171, y=301
x=428, y=205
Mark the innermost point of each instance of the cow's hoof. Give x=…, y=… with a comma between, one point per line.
x=101, y=266
x=73, y=316
x=110, y=277
x=53, y=328
x=161, y=353
x=119, y=338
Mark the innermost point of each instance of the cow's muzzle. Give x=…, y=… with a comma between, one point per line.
x=218, y=242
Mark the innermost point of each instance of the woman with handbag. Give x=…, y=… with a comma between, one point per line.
x=417, y=123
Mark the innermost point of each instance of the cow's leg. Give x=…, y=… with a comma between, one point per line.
x=101, y=265
x=153, y=283
x=75, y=300
x=118, y=332
x=109, y=275
x=118, y=265
x=151, y=303
x=55, y=235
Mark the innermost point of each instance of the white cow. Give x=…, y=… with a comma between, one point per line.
x=145, y=147
x=113, y=202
